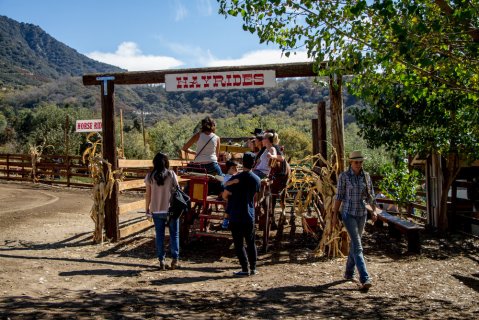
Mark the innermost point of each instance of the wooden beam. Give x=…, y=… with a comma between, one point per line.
x=131, y=184
x=235, y=149
x=109, y=153
x=134, y=228
x=337, y=119
x=322, y=129
x=124, y=163
x=284, y=70
x=126, y=207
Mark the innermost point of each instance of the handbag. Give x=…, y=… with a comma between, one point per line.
x=179, y=203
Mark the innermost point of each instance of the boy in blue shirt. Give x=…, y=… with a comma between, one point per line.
x=240, y=207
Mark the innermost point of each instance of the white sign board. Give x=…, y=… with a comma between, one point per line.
x=220, y=80
x=88, y=125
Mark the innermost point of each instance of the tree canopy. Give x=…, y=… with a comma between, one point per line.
x=414, y=63
x=436, y=41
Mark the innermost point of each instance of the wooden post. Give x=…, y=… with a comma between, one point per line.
x=67, y=148
x=109, y=154
x=337, y=122
x=143, y=128
x=315, y=135
x=8, y=167
x=323, y=149
x=122, y=155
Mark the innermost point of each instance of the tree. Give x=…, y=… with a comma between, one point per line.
x=406, y=55
x=438, y=40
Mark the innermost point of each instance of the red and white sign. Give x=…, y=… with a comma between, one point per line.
x=220, y=80
x=88, y=125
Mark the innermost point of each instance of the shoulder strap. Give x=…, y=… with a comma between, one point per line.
x=199, y=152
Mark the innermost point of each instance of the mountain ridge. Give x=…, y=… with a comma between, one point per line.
x=30, y=56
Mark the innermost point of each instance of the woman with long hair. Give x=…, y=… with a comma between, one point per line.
x=160, y=183
x=207, y=147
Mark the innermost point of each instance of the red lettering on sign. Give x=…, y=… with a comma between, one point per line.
x=194, y=82
x=218, y=79
x=206, y=79
x=228, y=82
x=181, y=82
x=247, y=79
x=258, y=79
x=237, y=80
x=97, y=125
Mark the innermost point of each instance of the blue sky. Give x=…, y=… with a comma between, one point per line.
x=148, y=34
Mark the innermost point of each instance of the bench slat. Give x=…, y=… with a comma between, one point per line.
x=405, y=224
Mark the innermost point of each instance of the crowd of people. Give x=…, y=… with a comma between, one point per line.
x=239, y=186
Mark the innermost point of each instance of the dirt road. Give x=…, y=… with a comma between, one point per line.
x=50, y=269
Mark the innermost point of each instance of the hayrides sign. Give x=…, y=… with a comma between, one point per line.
x=220, y=80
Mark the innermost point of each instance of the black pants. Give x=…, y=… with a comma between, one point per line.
x=240, y=232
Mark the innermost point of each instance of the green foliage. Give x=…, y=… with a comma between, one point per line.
x=134, y=147
x=377, y=156
x=447, y=124
x=400, y=184
x=435, y=41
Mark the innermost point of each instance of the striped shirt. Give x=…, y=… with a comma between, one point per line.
x=353, y=192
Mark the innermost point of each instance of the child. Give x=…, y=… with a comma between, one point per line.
x=231, y=170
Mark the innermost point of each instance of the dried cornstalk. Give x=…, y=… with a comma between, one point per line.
x=102, y=185
x=319, y=188
x=36, y=155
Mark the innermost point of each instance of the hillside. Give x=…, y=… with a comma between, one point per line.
x=30, y=56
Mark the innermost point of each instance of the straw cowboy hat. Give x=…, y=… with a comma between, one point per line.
x=356, y=156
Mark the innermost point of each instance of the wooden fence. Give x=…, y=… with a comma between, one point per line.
x=50, y=169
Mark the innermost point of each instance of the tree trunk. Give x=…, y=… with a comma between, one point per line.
x=449, y=172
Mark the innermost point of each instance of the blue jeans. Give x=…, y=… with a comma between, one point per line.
x=173, y=226
x=355, y=227
x=244, y=232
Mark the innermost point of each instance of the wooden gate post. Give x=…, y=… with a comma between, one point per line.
x=322, y=129
x=109, y=154
x=337, y=121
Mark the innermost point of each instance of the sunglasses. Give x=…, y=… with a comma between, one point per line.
x=357, y=162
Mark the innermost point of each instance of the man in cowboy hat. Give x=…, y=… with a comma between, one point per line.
x=355, y=193
x=257, y=131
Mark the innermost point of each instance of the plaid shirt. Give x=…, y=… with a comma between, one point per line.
x=353, y=192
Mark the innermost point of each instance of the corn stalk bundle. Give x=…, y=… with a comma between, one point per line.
x=36, y=156
x=102, y=184
x=316, y=189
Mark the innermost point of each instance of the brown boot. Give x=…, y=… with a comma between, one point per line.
x=174, y=264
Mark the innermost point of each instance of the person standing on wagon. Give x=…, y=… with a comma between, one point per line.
x=207, y=147
x=355, y=191
x=240, y=208
x=159, y=185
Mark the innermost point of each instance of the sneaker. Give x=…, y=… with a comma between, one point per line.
x=348, y=277
x=366, y=285
x=162, y=265
x=174, y=264
x=241, y=273
x=253, y=272
x=225, y=224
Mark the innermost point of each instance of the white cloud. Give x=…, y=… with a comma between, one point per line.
x=267, y=56
x=129, y=56
x=204, y=7
x=181, y=11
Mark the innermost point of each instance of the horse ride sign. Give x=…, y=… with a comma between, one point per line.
x=88, y=125
x=220, y=80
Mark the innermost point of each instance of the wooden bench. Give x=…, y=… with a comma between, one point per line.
x=397, y=226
